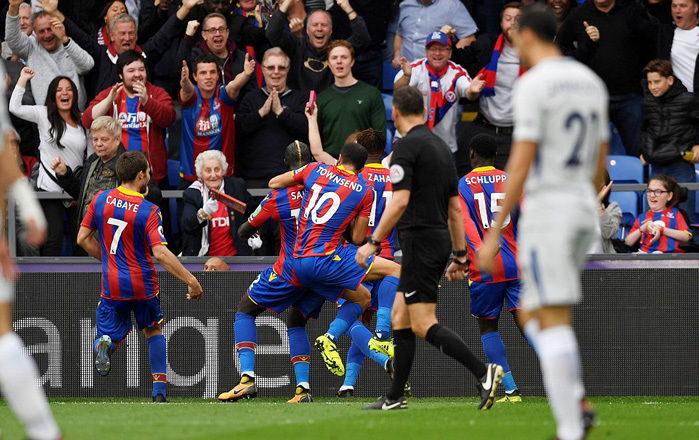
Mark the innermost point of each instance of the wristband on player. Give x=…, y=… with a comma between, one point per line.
x=373, y=241
x=460, y=253
x=28, y=206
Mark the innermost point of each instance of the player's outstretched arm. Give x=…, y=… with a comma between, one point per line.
x=170, y=262
x=517, y=169
x=282, y=181
x=87, y=241
x=314, y=139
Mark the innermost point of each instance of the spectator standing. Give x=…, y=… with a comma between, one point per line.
x=215, y=41
x=369, y=64
x=496, y=59
x=210, y=227
x=61, y=134
x=442, y=83
x=309, y=54
x=98, y=173
x=419, y=18
x=143, y=109
x=25, y=25
x=269, y=119
x=561, y=9
x=598, y=34
x=670, y=126
x=122, y=31
x=208, y=121
x=47, y=53
x=349, y=105
x=678, y=42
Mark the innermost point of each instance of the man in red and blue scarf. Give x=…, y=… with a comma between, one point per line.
x=442, y=83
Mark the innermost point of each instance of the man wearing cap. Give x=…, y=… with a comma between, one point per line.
x=442, y=83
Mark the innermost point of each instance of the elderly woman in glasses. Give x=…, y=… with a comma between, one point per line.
x=209, y=226
x=663, y=227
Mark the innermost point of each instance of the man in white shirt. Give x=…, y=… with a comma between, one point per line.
x=685, y=41
x=442, y=83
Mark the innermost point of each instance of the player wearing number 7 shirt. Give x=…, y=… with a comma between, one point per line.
x=481, y=192
x=128, y=227
x=335, y=196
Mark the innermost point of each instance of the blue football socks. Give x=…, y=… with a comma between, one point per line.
x=355, y=359
x=157, y=356
x=387, y=293
x=300, y=352
x=361, y=335
x=245, y=342
x=495, y=352
x=348, y=313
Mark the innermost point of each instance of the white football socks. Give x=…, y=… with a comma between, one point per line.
x=19, y=382
x=559, y=356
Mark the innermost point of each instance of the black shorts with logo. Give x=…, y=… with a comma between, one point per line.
x=425, y=256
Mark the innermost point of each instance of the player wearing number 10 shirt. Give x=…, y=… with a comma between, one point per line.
x=128, y=227
x=334, y=197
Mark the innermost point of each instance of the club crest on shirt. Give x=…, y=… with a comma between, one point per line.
x=451, y=96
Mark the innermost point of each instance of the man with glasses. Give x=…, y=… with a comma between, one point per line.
x=442, y=84
x=215, y=41
x=269, y=119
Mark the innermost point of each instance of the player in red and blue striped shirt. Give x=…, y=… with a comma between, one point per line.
x=277, y=289
x=208, y=112
x=480, y=193
x=128, y=227
x=663, y=227
x=335, y=196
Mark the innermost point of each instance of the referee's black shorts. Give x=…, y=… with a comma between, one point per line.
x=425, y=256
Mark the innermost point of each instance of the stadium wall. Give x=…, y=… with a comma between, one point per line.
x=637, y=327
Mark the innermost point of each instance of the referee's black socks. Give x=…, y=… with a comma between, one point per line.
x=404, y=342
x=451, y=344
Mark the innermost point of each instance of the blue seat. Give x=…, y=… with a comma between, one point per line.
x=389, y=142
x=628, y=202
x=625, y=169
x=389, y=72
x=173, y=172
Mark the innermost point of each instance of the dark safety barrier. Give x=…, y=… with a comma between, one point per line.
x=637, y=327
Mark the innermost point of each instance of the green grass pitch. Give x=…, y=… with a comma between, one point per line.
x=434, y=418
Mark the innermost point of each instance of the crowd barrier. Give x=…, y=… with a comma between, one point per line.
x=637, y=327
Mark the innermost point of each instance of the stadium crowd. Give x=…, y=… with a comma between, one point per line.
x=181, y=77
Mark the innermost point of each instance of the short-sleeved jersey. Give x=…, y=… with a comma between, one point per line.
x=561, y=105
x=135, y=123
x=481, y=191
x=207, y=124
x=283, y=206
x=422, y=163
x=128, y=227
x=379, y=178
x=669, y=218
x=333, y=197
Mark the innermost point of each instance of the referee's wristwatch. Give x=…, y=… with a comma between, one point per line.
x=372, y=241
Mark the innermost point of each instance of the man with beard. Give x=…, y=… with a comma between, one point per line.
x=128, y=228
x=143, y=109
x=309, y=56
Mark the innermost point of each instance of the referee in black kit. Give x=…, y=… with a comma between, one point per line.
x=426, y=207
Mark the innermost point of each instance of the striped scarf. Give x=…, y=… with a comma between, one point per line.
x=440, y=101
x=490, y=71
